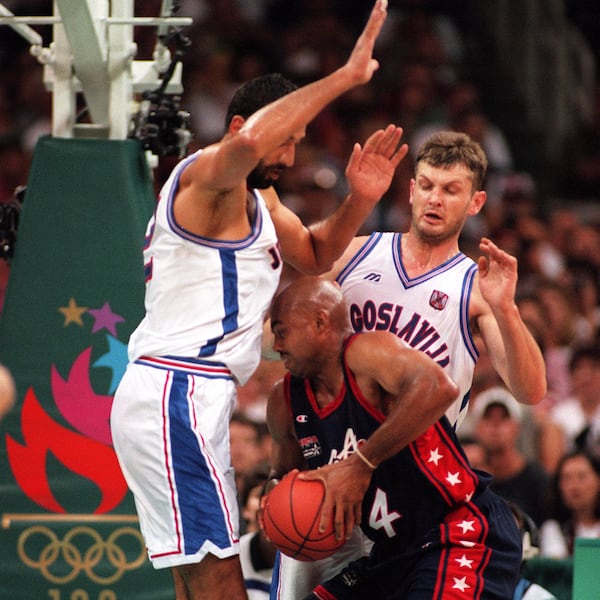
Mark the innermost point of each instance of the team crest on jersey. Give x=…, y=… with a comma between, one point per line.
x=438, y=300
x=311, y=447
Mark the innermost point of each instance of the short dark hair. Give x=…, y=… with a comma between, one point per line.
x=256, y=93
x=448, y=148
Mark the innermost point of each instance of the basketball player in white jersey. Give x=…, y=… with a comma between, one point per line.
x=213, y=255
x=421, y=287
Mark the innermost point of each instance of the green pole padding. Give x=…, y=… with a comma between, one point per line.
x=586, y=569
x=75, y=294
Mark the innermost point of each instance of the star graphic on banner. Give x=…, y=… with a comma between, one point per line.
x=115, y=359
x=463, y=561
x=434, y=457
x=460, y=584
x=453, y=478
x=466, y=526
x=73, y=312
x=105, y=318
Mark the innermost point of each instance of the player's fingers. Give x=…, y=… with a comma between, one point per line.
x=339, y=521
x=399, y=155
x=349, y=523
x=354, y=159
x=327, y=513
x=313, y=475
x=389, y=141
x=482, y=265
x=376, y=20
x=374, y=141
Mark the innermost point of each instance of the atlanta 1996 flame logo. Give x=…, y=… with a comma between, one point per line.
x=84, y=448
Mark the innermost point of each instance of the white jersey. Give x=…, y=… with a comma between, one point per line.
x=430, y=312
x=206, y=298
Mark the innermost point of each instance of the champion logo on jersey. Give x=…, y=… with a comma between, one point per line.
x=375, y=277
x=302, y=418
x=438, y=300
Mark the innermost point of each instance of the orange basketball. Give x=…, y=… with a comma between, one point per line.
x=291, y=517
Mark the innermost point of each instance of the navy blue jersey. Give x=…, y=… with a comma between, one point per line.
x=410, y=493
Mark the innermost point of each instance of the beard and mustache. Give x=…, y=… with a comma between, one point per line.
x=264, y=176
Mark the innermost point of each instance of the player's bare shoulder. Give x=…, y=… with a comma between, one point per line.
x=353, y=247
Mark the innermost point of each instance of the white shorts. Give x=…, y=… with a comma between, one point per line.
x=294, y=579
x=170, y=429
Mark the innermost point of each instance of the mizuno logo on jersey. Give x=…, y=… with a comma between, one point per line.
x=438, y=300
x=376, y=277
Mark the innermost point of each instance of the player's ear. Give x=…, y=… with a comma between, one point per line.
x=411, y=191
x=236, y=123
x=322, y=319
x=477, y=202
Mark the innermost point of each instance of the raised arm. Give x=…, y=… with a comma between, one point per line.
x=370, y=169
x=512, y=349
x=225, y=165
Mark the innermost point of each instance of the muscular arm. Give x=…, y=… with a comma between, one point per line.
x=513, y=351
x=418, y=391
x=313, y=249
x=222, y=168
x=411, y=389
x=285, y=450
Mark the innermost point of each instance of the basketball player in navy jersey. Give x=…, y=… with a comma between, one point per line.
x=213, y=257
x=366, y=413
x=419, y=286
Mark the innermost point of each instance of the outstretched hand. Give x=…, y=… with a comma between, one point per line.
x=361, y=63
x=497, y=275
x=371, y=168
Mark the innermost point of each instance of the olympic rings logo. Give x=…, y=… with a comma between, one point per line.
x=81, y=550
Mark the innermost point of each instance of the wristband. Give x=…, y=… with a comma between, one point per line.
x=365, y=459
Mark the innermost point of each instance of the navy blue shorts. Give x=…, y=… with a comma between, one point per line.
x=474, y=555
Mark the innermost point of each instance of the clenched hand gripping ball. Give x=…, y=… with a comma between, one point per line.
x=291, y=515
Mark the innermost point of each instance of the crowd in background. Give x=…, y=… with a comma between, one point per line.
x=424, y=84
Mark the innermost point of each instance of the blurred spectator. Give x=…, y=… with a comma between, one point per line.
x=575, y=505
x=530, y=536
x=464, y=112
x=576, y=413
x=417, y=32
x=250, y=446
x=581, y=177
x=209, y=89
x=257, y=554
x=561, y=336
x=498, y=418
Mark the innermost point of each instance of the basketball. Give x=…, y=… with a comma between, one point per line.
x=291, y=515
